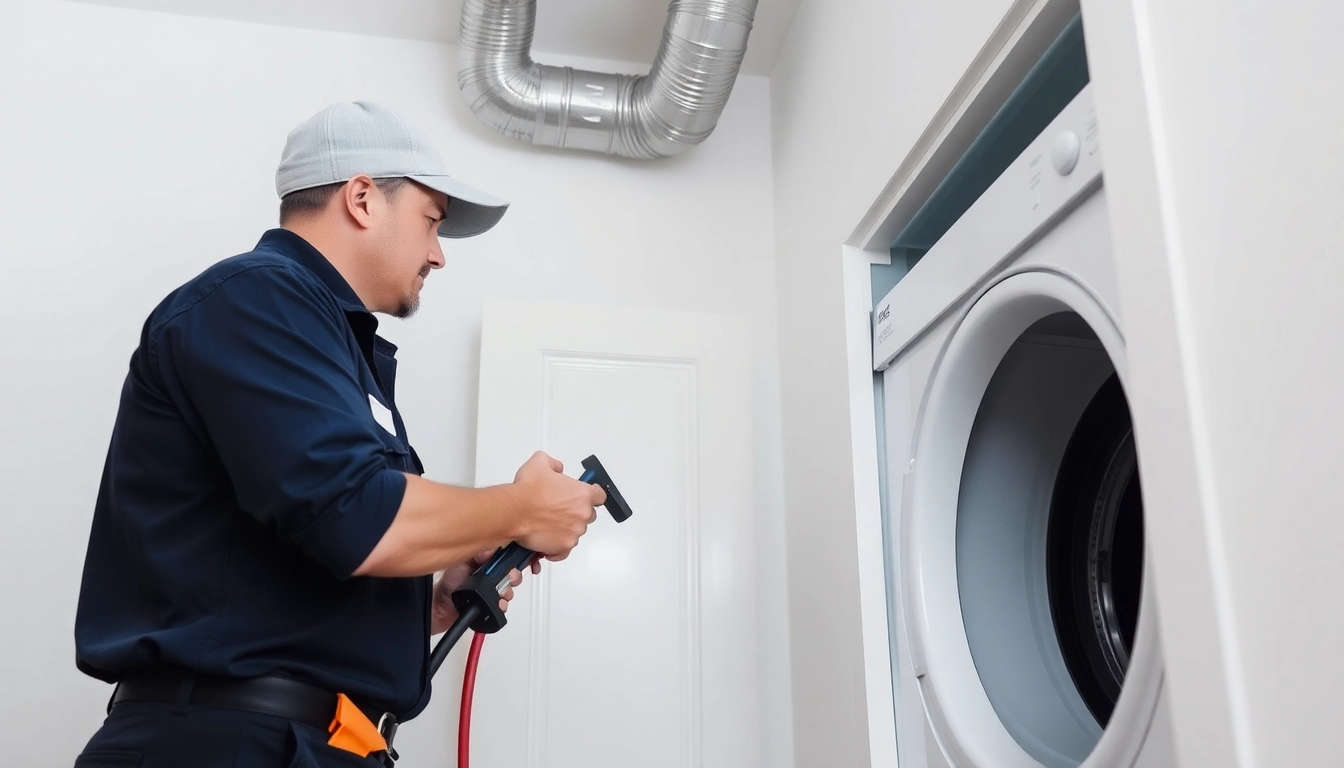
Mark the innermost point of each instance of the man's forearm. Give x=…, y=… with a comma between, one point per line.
x=438, y=526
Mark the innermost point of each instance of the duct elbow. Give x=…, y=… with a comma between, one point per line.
x=665, y=113
x=501, y=97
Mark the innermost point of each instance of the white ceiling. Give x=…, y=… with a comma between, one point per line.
x=620, y=30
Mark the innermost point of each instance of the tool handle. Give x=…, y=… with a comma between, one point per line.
x=506, y=559
x=477, y=599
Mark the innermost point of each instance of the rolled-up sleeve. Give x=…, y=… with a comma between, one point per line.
x=262, y=363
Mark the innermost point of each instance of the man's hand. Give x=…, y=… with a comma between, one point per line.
x=559, y=507
x=445, y=613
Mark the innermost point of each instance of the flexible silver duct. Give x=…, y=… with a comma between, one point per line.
x=664, y=113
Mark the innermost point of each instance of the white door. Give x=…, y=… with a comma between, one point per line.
x=640, y=649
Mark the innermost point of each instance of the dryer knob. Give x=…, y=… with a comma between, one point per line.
x=1064, y=154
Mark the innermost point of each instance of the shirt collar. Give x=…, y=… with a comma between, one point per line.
x=291, y=244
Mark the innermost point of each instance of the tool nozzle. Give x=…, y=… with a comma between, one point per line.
x=615, y=503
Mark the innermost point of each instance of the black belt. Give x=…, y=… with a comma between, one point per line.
x=270, y=695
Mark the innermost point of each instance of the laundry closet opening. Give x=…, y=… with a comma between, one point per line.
x=1050, y=526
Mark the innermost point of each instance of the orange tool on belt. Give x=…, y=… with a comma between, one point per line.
x=353, y=731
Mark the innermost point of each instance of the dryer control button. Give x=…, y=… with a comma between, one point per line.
x=1064, y=153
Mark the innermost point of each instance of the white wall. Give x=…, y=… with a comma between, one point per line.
x=137, y=148
x=856, y=84
x=1225, y=181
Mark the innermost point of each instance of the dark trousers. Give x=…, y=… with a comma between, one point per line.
x=153, y=735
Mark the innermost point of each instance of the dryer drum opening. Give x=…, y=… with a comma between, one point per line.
x=1048, y=528
x=1095, y=550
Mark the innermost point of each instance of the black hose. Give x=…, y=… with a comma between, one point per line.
x=455, y=632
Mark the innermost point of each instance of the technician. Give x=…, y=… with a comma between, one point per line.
x=263, y=542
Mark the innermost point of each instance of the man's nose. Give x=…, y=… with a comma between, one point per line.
x=436, y=260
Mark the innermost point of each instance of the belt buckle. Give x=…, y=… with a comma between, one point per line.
x=387, y=726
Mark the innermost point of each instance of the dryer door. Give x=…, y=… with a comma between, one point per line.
x=1028, y=609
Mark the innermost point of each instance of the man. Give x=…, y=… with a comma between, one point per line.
x=263, y=545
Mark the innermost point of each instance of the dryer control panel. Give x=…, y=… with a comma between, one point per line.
x=1057, y=170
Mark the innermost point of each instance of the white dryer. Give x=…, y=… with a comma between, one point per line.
x=1023, y=608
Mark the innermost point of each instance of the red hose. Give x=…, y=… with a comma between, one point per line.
x=468, y=688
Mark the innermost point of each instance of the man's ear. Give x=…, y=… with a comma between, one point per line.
x=359, y=200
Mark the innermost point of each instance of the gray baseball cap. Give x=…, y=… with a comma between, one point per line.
x=353, y=137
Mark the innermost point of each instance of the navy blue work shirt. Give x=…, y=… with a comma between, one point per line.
x=257, y=458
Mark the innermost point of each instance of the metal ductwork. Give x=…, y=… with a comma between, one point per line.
x=673, y=108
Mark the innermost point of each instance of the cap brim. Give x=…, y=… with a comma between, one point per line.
x=470, y=211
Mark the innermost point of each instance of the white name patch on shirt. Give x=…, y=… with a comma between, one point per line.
x=382, y=415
